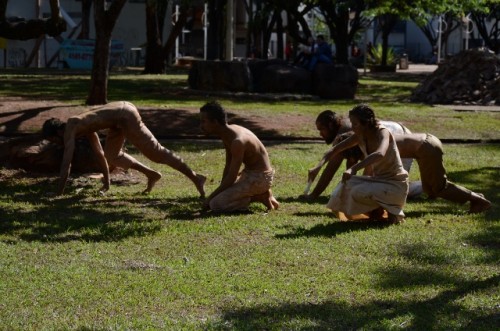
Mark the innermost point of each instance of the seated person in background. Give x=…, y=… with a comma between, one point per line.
x=304, y=56
x=237, y=190
x=322, y=53
x=330, y=127
x=386, y=189
x=123, y=121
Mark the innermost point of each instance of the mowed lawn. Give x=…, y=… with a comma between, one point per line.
x=126, y=261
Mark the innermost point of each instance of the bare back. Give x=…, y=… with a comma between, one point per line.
x=112, y=115
x=255, y=156
x=409, y=144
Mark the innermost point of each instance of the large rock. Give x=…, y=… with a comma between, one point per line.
x=258, y=69
x=335, y=81
x=328, y=81
x=286, y=79
x=470, y=77
x=233, y=76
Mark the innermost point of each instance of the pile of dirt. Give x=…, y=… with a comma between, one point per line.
x=471, y=77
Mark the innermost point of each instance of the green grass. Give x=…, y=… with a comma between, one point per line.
x=128, y=261
x=389, y=95
x=125, y=261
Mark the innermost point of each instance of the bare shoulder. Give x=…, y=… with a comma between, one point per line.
x=243, y=134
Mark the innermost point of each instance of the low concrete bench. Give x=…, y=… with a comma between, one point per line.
x=329, y=81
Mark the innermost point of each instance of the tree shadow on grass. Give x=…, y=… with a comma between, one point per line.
x=332, y=229
x=438, y=308
x=414, y=313
x=173, y=123
x=82, y=217
x=12, y=126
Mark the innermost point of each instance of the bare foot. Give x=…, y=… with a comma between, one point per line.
x=274, y=202
x=200, y=184
x=153, y=178
x=478, y=203
x=395, y=219
x=267, y=199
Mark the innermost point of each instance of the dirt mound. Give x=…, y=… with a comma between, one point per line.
x=471, y=77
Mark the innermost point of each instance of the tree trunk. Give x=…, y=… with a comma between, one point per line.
x=155, y=61
x=3, y=9
x=215, y=29
x=104, y=23
x=387, y=24
x=280, y=54
x=342, y=40
x=86, y=7
x=174, y=33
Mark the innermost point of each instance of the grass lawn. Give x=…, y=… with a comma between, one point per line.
x=126, y=261
x=388, y=94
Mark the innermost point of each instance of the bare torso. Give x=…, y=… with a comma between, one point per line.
x=96, y=119
x=409, y=144
x=255, y=156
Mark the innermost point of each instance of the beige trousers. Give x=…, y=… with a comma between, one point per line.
x=239, y=195
x=131, y=128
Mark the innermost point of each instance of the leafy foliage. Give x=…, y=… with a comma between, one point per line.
x=377, y=53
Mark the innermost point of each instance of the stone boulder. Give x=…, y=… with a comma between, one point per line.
x=328, y=81
x=232, y=76
x=469, y=77
x=335, y=81
x=286, y=79
x=258, y=69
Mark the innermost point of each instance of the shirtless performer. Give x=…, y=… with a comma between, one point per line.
x=387, y=186
x=428, y=151
x=330, y=127
x=236, y=191
x=123, y=121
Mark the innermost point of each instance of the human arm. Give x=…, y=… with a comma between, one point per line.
x=326, y=176
x=101, y=159
x=234, y=160
x=69, y=148
x=349, y=142
x=372, y=158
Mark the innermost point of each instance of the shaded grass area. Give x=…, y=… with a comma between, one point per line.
x=129, y=261
x=389, y=94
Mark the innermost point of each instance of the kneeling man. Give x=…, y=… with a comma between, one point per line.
x=237, y=190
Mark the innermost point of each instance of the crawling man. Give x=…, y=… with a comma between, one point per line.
x=122, y=121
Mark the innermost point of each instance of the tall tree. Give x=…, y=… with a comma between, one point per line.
x=105, y=20
x=487, y=23
x=86, y=10
x=19, y=28
x=216, y=29
x=344, y=19
x=156, y=11
x=422, y=11
x=264, y=17
x=297, y=26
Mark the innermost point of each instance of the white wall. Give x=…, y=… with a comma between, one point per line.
x=130, y=29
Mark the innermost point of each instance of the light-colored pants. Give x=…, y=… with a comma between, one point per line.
x=433, y=174
x=239, y=195
x=131, y=127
